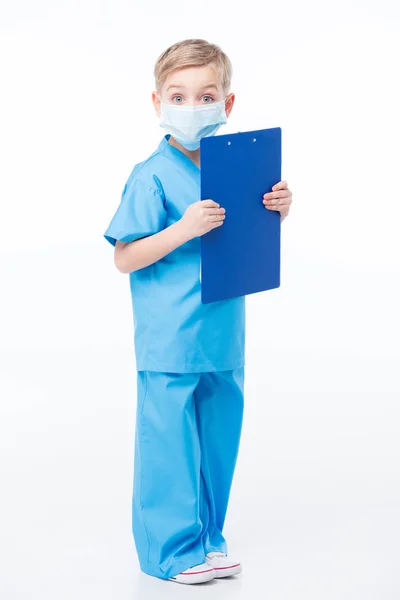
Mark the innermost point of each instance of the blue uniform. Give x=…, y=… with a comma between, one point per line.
x=188, y=429
x=174, y=331
x=190, y=379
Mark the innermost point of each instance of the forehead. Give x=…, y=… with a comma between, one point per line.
x=193, y=78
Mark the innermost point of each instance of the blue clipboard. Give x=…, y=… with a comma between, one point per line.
x=242, y=256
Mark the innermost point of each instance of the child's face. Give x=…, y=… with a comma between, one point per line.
x=192, y=86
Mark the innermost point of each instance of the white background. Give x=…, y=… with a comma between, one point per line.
x=314, y=509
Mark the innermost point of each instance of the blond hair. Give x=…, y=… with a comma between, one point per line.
x=193, y=53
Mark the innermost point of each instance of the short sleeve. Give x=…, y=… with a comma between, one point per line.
x=141, y=212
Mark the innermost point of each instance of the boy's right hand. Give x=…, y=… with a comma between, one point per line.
x=202, y=216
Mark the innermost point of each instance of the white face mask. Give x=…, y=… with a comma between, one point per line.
x=188, y=124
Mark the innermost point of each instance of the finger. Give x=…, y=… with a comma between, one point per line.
x=214, y=211
x=209, y=203
x=216, y=224
x=281, y=185
x=279, y=194
x=271, y=203
x=213, y=218
x=277, y=204
x=274, y=203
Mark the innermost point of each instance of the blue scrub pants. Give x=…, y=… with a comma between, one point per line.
x=188, y=428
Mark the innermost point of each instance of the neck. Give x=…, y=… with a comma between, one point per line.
x=194, y=155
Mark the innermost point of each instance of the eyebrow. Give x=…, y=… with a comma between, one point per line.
x=181, y=87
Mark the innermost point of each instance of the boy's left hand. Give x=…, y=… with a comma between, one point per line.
x=279, y=199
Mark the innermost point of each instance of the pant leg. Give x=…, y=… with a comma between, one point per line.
x=166, y=487
x=219, y=407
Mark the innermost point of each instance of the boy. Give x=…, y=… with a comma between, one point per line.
x=189, y=355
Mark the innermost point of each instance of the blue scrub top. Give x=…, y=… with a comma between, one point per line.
x=173, y=330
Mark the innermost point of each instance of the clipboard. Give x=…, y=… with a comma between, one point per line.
x=242, y=256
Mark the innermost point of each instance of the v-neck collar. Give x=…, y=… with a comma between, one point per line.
x=177, y=154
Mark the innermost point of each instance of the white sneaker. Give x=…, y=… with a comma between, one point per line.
x=222, y=565
x=198, y=574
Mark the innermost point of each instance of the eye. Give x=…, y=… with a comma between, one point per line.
x=211, y=98
x=175, y=97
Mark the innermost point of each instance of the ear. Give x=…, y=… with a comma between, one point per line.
x=156, y=102
x=229, y=102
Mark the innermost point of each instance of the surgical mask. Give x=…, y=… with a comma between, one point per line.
x=188, y=124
